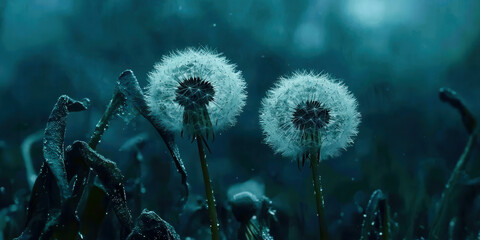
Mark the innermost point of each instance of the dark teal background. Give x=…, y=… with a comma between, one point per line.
x=393, y=56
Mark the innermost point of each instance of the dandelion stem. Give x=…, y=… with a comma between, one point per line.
x=317, y=187
x=208, y=190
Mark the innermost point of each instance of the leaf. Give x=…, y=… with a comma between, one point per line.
x=94, y=213
x=376, y=217
x=149, y=226
x=53, y=141
x=449, y=193
x=111, y=178
x=45, y=199
x=128, y=85
x=67, y=225
x=451, y=97
x=51, y=186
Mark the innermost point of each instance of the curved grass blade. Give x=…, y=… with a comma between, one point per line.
x=128, y=85
x=44, y=201
x=111, y=178
x=67, y=225
x=26, y=146
x=449, y=194
x=51, y=186
x=149, y=226
x=80, y=158
x=376, y=214
x=53, y=141
x=451, y=97
x=85, y=179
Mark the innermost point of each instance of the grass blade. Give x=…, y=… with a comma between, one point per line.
x=128, y=85
x=53, y=141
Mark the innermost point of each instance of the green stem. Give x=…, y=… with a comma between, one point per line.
x=208, y=191
x=100, y=129
x=317, y=187
x=102, y=125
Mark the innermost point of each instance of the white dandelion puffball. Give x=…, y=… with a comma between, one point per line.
x=306, y=101
x=195, y=77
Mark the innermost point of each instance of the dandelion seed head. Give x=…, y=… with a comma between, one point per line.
x=310, y=115
x=307, y=101
x=193, y=91
x=195, y=77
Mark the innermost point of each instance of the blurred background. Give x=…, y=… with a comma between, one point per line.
x=393, y=55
